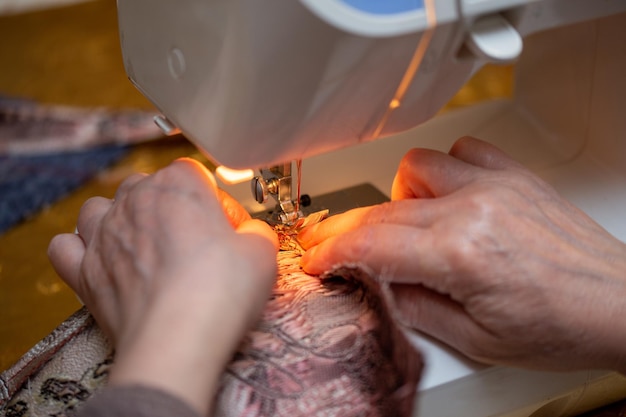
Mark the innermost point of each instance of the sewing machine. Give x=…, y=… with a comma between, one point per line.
x=260, y=84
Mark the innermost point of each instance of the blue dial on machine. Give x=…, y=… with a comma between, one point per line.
x=385, y=7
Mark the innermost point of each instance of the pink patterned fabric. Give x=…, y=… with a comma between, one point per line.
x=326, y=346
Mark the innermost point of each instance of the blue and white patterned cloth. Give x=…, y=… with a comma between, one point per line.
x=30, y=183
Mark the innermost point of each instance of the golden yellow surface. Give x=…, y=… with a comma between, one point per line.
x=71, y=56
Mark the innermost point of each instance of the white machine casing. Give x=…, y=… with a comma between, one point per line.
x=254, y=83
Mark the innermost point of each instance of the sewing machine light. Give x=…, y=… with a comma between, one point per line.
x=233, y=176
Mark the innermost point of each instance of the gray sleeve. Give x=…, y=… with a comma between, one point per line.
x=135, y=401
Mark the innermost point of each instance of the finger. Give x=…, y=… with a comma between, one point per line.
x=426, y=173
x=128, y=183
x=396, y=253
x=90, y=216
x=259, y=228
x=438, y=316
x=414, y=212
x=189, y=179
x=66, y=253
x=185, y=175
x=334, y=225
x=261, y=243
x=234, y=211
x=194, y=171
x=483, y=154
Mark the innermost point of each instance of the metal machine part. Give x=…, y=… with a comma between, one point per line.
x=277, y=182
x=337, y=202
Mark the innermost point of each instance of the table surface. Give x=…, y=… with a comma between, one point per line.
x=71, y=56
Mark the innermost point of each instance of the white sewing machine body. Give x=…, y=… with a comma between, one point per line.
x=257, y=83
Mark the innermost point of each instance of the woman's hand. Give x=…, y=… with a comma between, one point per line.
x=488, y=258
x=175, y=272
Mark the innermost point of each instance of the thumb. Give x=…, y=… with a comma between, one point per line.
x=259, y=228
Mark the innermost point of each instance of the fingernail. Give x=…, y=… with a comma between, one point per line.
x=306, y=258
x=304, y=237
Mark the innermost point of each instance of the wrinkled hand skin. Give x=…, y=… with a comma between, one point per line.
x=488, y=258
x=175, y=272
